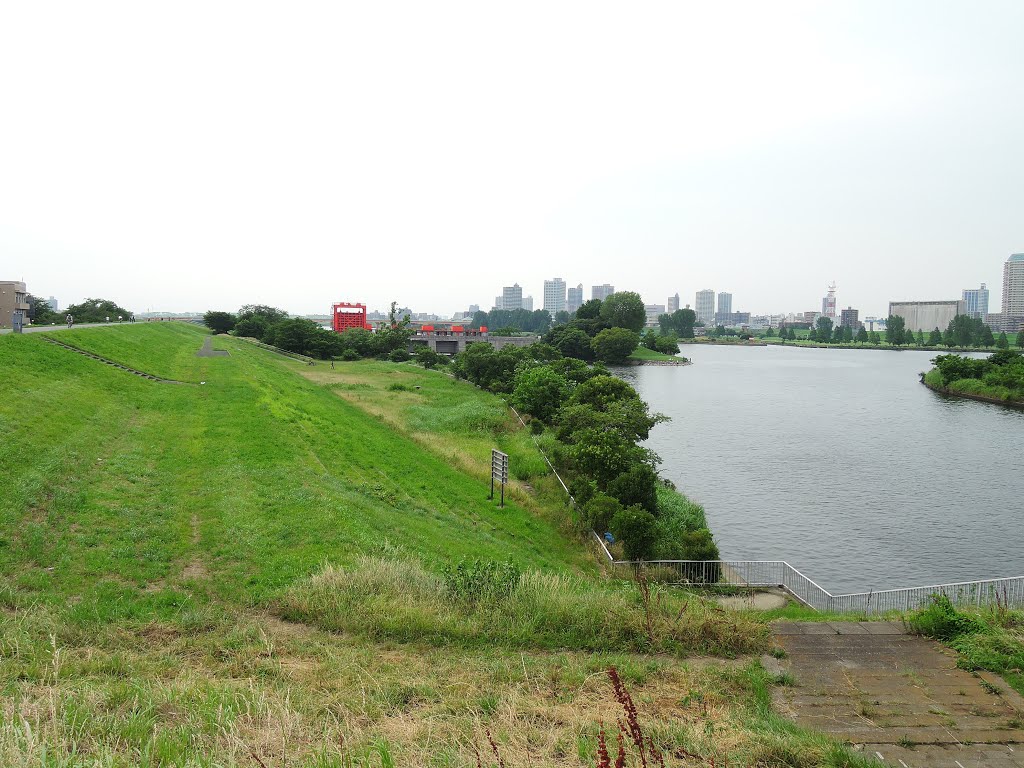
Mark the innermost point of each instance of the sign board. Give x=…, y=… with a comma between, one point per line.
x=499, y=472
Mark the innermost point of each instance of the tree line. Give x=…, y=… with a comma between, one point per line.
x=305, y=337
x=594, y=424
x=1002, y=370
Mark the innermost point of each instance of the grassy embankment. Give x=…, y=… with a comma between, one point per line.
x=974, y=388
x=153, y=537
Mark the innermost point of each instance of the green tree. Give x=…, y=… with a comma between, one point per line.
x=920, y=338
x=813, y=335
x=824, y=329
x=572, y=342
x=1002, y=342
x=862, y=335
x=428, y=358
x=219, y=322
x=987, y=339
x=96, y=311
x=934, y=338
x=40, y=312
x=1020, y=338
x=561, y=317
x=540, y=392
x=614, y=345
x=270, y=315
x=636, y=486
x=636, y=528
x=624, y=309
x=253, y=327
x=589, y=310
x=847, y=335
x=875, y=337
x=770, y=333
x=895, y=329
x=394, y=334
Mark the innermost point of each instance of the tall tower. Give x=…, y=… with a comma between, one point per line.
x=673, y=304
x=976, y=302
x=828, y=304
x=511, y=297
x=575, y=299
x=554, y=295
x=1013, y=286
x=704, y=306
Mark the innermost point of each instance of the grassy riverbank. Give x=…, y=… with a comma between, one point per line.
x=261, y=569
x=997, y=379
x=643, y=354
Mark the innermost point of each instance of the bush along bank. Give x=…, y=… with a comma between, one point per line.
x=591, y=425
x=999, y=378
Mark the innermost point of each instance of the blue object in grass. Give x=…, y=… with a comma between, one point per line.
x=608, y=537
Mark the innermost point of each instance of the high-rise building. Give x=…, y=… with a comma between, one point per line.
x=976, y=302
x=574, y=299
x=512, y=297
x=528, y=303
x=725, y=303
x=828, y=304
x=850, y=318
x=1013, y=286
x=54, y=304
x=704, y=306
x=554, y=295
x=601, y=292
x=673, y=304
x=474, y=308
x=653, y=310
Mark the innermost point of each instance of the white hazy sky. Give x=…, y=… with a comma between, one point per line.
x=202, y=155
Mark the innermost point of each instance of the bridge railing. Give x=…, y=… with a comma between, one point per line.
x=779, y=574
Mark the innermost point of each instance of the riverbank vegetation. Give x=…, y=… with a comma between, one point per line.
x=154, y=538
x=989, y=639
x=591, y=425
x=999, y=377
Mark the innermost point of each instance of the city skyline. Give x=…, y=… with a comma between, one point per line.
x=860, y=143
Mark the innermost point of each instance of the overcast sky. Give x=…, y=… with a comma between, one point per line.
x=194, y=156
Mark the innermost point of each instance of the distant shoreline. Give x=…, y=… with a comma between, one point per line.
x=816, y=345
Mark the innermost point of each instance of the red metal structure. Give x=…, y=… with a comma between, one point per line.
x=345, y=316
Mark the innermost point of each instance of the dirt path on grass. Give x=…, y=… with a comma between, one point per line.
x=899, y=697
x=207, y=349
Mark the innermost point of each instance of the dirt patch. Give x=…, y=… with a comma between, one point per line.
x=207, y=349
x=757, y=601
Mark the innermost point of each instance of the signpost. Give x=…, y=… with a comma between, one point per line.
x=499, y=472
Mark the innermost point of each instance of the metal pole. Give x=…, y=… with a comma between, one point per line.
x=502, y=504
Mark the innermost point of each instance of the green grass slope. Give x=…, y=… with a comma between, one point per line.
x=153, y=537
x=258, y=473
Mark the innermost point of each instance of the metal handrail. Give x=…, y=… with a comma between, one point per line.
x=780, y=574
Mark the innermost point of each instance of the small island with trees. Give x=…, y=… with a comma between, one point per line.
x=999, y=378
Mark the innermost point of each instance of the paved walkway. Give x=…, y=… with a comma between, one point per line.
x=62, y=327
x=207, y=349
x=899, y=697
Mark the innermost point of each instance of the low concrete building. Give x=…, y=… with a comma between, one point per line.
x=13, y=298
x=926, y=315
x=455, y=339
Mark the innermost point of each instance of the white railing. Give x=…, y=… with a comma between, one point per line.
x=780, y=574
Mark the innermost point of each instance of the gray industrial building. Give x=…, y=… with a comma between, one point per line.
x=926, y=315
x=574, y=299
x=601, y=292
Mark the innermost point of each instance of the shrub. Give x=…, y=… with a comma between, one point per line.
x=614, y=345
x=399, y=356
x=428, y=358
x=637, y=485
x=940, y=619
x=540, y=391
x=636, y=528
x=599, y=510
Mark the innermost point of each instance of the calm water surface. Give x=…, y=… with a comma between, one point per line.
x=842, y=463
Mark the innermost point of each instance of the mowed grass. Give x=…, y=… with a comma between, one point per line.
x=154, y=536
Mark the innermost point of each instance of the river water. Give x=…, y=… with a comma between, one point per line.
x=842, y=463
